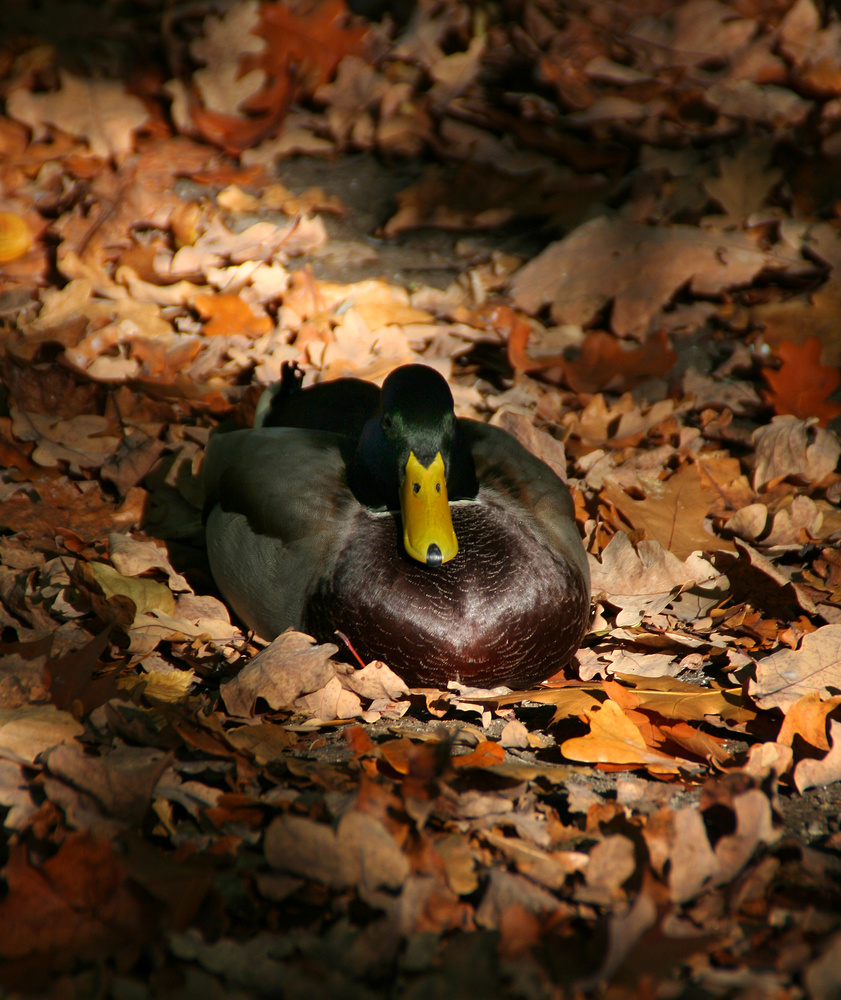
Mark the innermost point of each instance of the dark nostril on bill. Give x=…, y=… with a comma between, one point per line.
x=433, y=556
x=415, y=488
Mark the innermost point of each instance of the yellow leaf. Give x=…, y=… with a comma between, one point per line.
x=148, y=595
x=674, y=699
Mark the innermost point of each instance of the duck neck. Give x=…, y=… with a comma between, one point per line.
x=374, y=470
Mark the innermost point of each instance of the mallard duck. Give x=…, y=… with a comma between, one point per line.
x=439, y=545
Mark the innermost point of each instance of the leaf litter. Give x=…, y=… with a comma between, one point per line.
x=186, y=808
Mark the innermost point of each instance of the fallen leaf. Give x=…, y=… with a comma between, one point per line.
x=290, y=666
x=786, y=676
x=15, y=237
x=78, y=904
x=121, y=780
x=230, y=315
x=638, y=268
x=672, y=513
x=359, y=852
x=676, y=699
x=147, y=595
x=807, y=718
x=790, y=446
x=614, y=739
x=601, y=362
x=643, y=578
x=29, y=730
x=801, y=385
x=745, y=180
x=98, y=111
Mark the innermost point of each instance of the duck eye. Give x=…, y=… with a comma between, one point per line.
x=415, y=488
x=386, y=422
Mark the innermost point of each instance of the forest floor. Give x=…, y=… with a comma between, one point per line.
x=614, y=229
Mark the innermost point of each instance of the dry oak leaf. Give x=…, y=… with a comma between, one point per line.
x=807, y=718
x=82, y=442
x=131, y=557
x=675, y=699
x=809, y=773
x=814, y=50
x=695, y=865
x=600, y=362
x=360, y=851
x=120, y=781
x=644, y=577
x=777, y=107
x=790, y=446
x=786, y=676
x=308, y=47
x=98, y=111
x=801, y=385
x=229, y=315
x=638, y=268
x=672, y=513
x=302, y=52
x=222, y=84
x=693, y=33
x=29, y=730
x=744, y=182
x=54, y=505
x=614, y=739
x=77, y=905
x=292, y=665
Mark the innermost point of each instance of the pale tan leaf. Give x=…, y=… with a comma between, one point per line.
x=360, y=851
x=99, y=111
x=638, y=268
x=789, y=446
x=784, y=677
x=809, y=773
x=292, y=665
x=29, y=730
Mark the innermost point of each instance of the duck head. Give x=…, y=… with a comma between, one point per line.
x=413, y=455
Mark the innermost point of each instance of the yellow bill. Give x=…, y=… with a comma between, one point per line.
x=428, y=532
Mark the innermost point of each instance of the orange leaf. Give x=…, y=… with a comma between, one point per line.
x=229, y=314
x=15, y=236
x=308, y=46
x=807, y=718
x=77, y=904
x=486, y=754
x=614, y=739
x=601, y=362
x=801, y=384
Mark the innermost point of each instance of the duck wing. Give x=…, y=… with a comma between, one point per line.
x=278, y=510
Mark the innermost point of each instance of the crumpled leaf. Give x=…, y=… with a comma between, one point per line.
x=790, y=446
x=807, y=718
x=644, y=577
x=15, y=236
x=290, y=666
x=673, y=512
